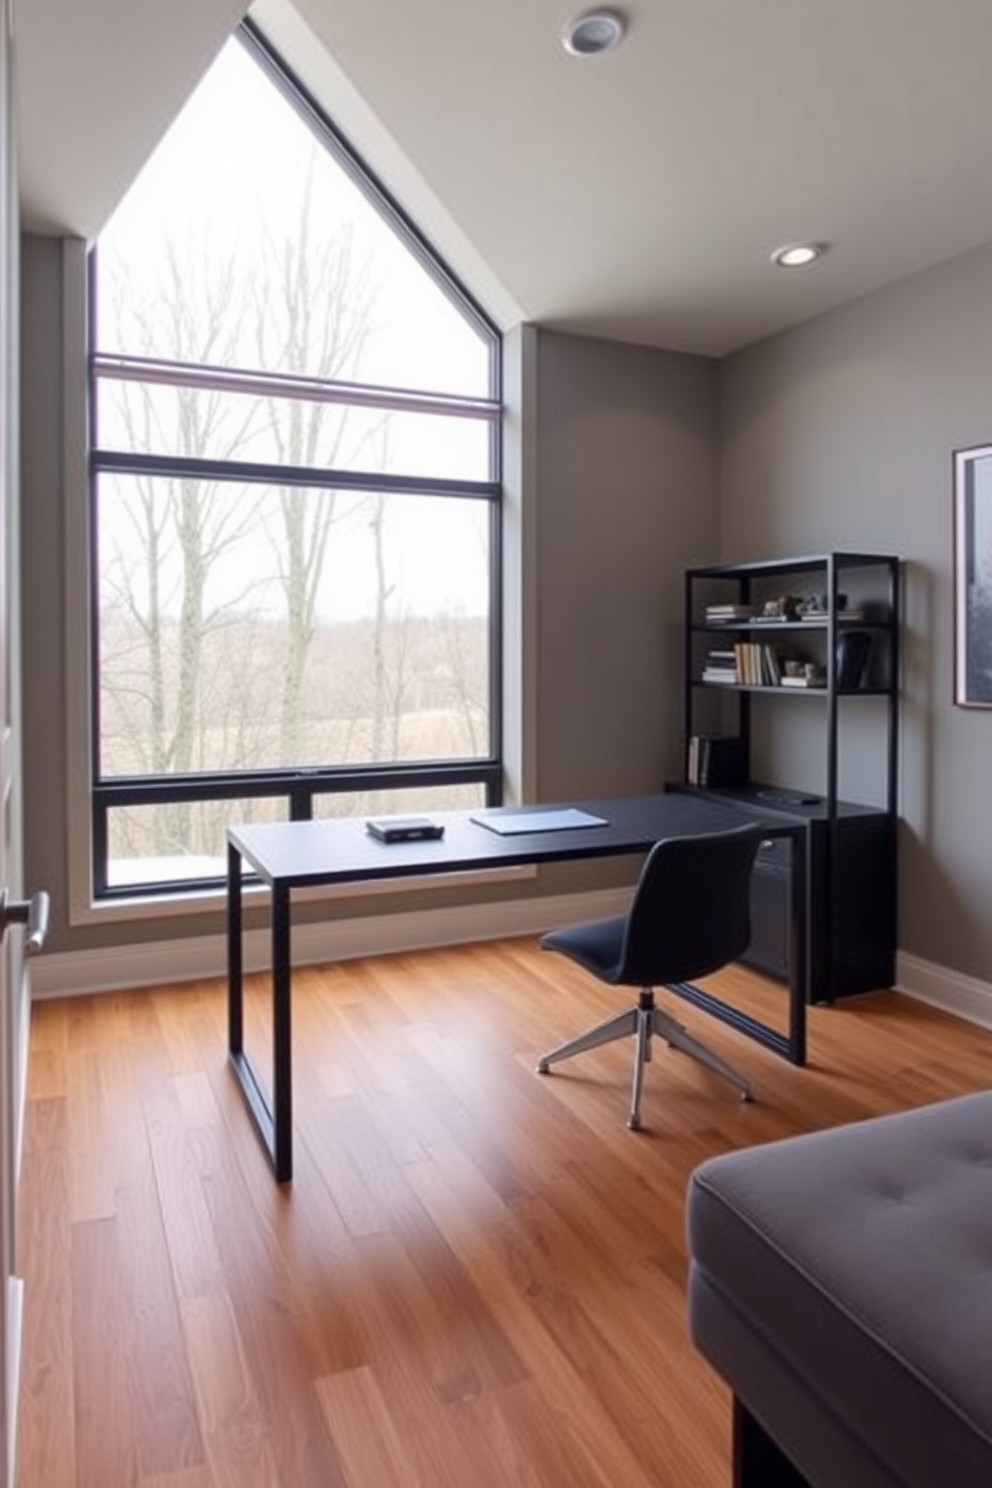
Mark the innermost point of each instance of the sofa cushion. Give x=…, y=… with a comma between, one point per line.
x=861, y=1259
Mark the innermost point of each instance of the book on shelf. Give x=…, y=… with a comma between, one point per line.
x=715, y=759
x=758, y=664
x=692, y=760
x=720, y=666
x=804, y=682
x=771, y=665
x=718, y=613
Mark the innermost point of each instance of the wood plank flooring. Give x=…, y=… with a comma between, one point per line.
x=475, y=1279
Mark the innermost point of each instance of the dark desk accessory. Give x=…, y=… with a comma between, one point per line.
x=852, y=658
x=556, y=819
x=404, y=828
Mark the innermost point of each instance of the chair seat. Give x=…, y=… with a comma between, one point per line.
x=597, y=945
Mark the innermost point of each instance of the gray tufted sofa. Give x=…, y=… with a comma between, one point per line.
x=841, y=1283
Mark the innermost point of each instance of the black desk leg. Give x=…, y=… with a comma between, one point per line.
x=799, y=959
x=273, y=1118
x=791, y=1045
x=235, y=964
x=282, y=1047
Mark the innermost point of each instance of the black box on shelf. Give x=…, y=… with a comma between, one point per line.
x=853, y=647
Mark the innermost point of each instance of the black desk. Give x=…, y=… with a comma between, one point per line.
x=295, y=855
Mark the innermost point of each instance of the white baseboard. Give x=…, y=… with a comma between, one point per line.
x=14, y=1328
x=159, y=963
x=952, y=991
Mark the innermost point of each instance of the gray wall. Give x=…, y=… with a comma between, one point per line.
x=626, y=480
x=840, y=434
x=620, y=478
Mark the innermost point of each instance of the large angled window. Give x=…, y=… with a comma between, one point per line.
x=295, y=418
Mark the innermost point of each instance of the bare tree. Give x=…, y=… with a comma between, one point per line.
x=311, y=307
x=174, y=530
x=379, y=676
x=193, y=644
x=314, y=314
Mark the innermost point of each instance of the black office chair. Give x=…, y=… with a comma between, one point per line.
x=690, y=916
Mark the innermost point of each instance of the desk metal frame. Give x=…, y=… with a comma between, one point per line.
x=293, y=855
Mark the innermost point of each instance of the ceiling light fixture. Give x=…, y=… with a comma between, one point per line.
x=594, y=32
x=798, y=255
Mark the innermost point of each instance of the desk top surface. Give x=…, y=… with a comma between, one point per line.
x=337, y=849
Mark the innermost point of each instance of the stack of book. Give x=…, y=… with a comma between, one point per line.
x=721, y=666
x=715, y=759
x=845, y=614
x=726, y=614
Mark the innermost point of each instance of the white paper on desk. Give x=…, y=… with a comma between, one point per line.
x=540, y=821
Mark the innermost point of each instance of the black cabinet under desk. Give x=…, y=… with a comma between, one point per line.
x=851, y=896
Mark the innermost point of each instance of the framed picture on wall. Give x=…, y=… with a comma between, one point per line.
x=973, y=577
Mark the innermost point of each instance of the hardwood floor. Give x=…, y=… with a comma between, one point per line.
x=475, y=1279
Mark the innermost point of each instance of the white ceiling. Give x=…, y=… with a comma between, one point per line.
x=636, y=195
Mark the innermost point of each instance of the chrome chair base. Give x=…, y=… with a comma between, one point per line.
x=644, y=1022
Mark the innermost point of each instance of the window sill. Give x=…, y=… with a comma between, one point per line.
x=210, y=901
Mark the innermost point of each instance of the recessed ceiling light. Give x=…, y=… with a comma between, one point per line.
x=594, y=32
x=798, y=255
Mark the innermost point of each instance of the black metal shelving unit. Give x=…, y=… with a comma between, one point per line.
x=850, y=847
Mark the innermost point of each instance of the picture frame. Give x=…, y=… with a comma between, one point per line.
x=973, y=577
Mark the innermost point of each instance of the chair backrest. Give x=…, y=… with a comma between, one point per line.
x=691, y=912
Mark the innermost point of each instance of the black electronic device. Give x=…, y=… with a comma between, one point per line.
x=404, y=828
x=784, y=798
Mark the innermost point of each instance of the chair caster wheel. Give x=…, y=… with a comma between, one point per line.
x=543, y=1067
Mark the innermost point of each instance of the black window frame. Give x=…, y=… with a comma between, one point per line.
x=299, y=786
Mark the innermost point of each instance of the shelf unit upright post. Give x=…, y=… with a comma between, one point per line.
x=850, y=848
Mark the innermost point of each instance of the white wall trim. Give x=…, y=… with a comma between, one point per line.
x=151, y=963
x=213, y=901
x=160, y=963
x=952, y=991
x=15, y=1331
x=76, y=573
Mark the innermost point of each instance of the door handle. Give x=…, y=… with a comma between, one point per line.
x=31, y=912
